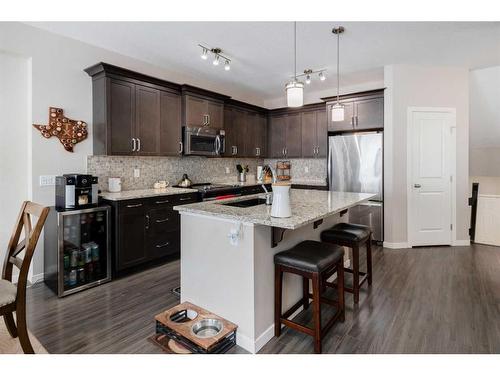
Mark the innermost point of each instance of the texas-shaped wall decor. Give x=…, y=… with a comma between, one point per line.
x=70, y=132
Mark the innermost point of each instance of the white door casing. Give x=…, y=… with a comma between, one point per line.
x=430, y=179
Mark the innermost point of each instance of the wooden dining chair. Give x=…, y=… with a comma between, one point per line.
x=12, y=297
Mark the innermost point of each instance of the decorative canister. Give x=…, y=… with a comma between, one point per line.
x=114, y=184
x=281, y=200
x=242, y=177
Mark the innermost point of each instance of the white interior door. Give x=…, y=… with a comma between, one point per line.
x=430, y=177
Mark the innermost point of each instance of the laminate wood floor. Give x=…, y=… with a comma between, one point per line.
x=425, y=300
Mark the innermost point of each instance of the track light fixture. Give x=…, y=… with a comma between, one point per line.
x=216, y=52
x=309, y=73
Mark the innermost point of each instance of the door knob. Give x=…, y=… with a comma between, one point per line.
x=418, y=186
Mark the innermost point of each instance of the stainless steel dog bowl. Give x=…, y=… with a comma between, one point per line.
x=207, y=328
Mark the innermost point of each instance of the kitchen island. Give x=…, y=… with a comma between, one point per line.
x=227, y=255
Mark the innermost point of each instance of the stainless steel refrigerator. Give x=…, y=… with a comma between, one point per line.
x=355, y=163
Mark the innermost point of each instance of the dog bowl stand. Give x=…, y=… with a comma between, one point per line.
x=182, y=332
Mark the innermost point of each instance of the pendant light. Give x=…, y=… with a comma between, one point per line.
x=295, y=89
x=337, y=108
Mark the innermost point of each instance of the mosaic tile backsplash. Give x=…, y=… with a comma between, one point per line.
x=199, y=169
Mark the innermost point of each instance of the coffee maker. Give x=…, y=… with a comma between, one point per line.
x=75, y=191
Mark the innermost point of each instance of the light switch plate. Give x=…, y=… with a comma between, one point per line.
x=137, y=172
x=228, y=170
x=306, y=169
x=47, y=180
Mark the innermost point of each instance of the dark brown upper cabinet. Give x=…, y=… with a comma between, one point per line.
x=134, y=114
x=170, y=124
x=246, y=130
x=285, y=136
x=363, y=112
x=147, y=124
x=314, y=134
x=277, y=136
x=202, y=107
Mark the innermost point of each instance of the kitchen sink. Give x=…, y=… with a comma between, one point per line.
x=246, y=203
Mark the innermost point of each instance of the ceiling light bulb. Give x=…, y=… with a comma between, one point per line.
x=227, y=66
x=204, y=54
x=216, y=60
x=308, y=79
x=322, y=77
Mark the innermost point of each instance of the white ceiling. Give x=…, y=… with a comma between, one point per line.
x=262, y=52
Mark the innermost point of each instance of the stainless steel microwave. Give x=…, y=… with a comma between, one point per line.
x=204, y=141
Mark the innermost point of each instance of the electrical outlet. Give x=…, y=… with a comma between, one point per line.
x=306, y=169
x=137, y=173
x=47, y=180
x=228, y=170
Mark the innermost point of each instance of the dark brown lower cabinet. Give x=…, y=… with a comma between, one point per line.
x=146, y=230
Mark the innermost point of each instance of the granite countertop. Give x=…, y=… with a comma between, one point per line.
x=144, y=193
x=307, y=207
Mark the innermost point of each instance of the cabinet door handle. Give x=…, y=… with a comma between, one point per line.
x=162, y=202
x=236, y=148
x=133, y=145
x=148, y=221
x=159, y=221
x=257, y=151
x=134, y=205
x=352, y=120
x=208, y=119
x=138, y=144
x=163, y=245
x=357, y=121
x=181, y=147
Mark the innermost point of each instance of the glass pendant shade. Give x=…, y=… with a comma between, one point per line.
x=337, y=112
x=295, y=94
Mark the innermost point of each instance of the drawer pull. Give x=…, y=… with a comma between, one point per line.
x=163, y=245
x=134, y=205
x=162, y=202
x=185, y=199
x=159, y=221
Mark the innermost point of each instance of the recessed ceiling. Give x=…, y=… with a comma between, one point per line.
x=262, y=52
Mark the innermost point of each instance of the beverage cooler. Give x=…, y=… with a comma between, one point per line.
x=77, y=253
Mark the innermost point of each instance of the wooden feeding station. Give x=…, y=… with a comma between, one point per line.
x=192, y=329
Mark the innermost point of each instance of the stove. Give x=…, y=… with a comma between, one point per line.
x=208, y=191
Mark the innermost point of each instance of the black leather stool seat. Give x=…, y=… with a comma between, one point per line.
x=346, y=232
x=310, y=256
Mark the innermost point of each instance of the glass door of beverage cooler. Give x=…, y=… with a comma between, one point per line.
x=84, y=249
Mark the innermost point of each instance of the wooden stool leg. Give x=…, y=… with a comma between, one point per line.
x=355, y=273
x=340, y=288
x=278, y=281
x=11, y=325
x=317, y=311
x=305, y=292
x=22, y=331
x=369, y=259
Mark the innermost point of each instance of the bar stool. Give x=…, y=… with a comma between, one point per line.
x=313, y=260
x=353, y=236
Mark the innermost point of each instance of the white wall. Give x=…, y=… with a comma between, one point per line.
x=14, y=142
x=58, y=80
x=485, y=122
x=422, y=86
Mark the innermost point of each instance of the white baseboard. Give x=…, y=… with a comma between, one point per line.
x=461, y=243
x=245, y=342
x=264, y=338
x=36, y=278
x=395, y=245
